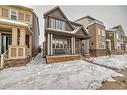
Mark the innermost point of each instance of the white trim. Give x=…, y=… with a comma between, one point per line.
x=0, y=44
x=6, y=21
x=74, y=45
x=51, y=36
x=48, y=44
x=103, y=32
x=4, y=43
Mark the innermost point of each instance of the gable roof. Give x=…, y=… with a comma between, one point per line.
x=89, y=18
x=58, y=8
x=78, y=27
x=118, y=27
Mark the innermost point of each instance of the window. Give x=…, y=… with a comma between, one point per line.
x=99, y=31
x=21, y=16
x=57, y=24
x=101, y=45
x=4, y=12
x=59, y=43
x=13, y=14
x=103, y=32
x=27, y=17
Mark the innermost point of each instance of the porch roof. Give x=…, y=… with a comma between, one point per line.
x=9, y=24
x=66, y=33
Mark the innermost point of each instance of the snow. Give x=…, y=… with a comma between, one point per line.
x=113, y=62
x=65, y=75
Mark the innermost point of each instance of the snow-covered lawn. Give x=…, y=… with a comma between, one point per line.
x=65, y=75
x=114, y=62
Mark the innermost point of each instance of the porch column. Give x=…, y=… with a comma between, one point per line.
x=14, y=36
x=22, y=36
x=30, y=44
x=72, y=45
x=51, y=36
x=48, y=44
x=0, y=44
x=87, y=46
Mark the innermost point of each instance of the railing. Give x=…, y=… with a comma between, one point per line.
x=61, y=51
x=77, y=50
x=3, y=57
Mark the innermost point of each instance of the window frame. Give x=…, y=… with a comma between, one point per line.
x=16, y=15
x=103, y=32
x=57, y=24
x=101, y=45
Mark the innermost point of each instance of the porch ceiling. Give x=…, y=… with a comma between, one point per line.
x=8, y=28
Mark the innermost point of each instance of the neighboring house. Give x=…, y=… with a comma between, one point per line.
x=96, y=29
x=63, y=38
x=126, y=44
x=117, y=37
x=19, y=33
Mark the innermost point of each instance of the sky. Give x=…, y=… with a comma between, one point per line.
x=109, y=15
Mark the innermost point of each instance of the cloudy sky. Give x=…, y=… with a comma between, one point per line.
x=110, y=15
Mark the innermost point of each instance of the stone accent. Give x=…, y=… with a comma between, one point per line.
x=62, y=58
x=87, y=55
x=98, y=52
x=16, y=62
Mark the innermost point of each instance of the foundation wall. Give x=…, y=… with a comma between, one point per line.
x=61, y=58
x=97, y=52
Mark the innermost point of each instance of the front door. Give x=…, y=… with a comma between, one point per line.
x=5, y=41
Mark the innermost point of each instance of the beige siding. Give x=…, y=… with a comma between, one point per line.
x=22, y=15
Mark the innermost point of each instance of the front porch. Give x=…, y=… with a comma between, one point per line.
x=65, y=47
x=15, y=43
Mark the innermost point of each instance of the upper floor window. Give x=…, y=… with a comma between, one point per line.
x=4, y=12
x=101, y=45
x=57, y=24
x=13, y=14
x=20, y=16
x=103, y=32
x=27, y=17
x=99, y=31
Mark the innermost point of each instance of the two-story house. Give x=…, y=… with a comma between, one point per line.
x=96, y=30
x=19, y=33
x=117, y=37
x=63, y=38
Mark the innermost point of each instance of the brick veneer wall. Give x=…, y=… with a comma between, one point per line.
x=61, y=58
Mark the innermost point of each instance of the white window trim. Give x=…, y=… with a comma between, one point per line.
x=101, y=43
x=103, y=32
x=16, y=14
x=57, y=24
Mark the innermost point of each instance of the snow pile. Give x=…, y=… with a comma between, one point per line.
x=65, y=75
x=114, y=62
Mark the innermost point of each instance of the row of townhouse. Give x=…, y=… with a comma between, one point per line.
x=19, y=34
x=66, y=40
